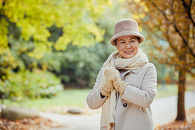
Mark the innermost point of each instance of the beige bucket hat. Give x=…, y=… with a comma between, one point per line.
x=126, y=27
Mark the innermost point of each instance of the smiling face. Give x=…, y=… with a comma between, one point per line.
x=127, y=46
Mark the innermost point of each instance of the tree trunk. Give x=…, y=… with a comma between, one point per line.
x=2, y=98
x=181, y=116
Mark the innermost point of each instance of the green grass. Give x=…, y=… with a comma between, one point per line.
x=77, y=98
x=167, y=90
x=170, y=89
x=67, y=98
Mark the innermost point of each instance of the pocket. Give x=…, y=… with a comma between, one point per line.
x=144, y=121
x=145, y=112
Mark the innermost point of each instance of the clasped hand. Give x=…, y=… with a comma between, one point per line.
x=112, y=74
x=113, y=81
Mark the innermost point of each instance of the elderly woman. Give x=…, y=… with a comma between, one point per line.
x=126, y=84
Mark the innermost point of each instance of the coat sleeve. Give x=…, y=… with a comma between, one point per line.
x=143, y=97
x=94, y=99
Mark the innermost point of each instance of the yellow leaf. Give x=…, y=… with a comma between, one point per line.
x=140, y=28
x=62, y=43
x=135, y=16
x=1, y=4
x=122, y=1
x=96, y=31
x=137, y=1
x=146, y=9
x=141, y=15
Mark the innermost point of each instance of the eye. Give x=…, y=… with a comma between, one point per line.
x=132, y=40
x=122, y=42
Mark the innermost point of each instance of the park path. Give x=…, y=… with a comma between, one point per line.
x=164, y=111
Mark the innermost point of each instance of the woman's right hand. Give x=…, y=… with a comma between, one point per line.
x=106, y=88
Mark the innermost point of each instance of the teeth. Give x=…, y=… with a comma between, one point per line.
x=129, y=51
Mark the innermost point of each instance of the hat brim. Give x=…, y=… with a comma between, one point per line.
x=126, y=33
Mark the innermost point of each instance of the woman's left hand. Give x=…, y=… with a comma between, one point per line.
x=114, y=75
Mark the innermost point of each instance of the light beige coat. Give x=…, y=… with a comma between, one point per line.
x=132, y=111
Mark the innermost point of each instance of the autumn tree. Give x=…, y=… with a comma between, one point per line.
x=172, y=21
x=33, y=19
x=25, y=30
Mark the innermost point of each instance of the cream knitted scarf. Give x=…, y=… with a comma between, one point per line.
x=115, y=60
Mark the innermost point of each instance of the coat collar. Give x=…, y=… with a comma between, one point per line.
x=131, y=71
x=136, y=70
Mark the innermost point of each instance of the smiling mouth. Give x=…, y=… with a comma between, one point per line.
x=128, y=52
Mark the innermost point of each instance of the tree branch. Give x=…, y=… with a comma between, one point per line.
x=161, y=11
x=172, y=46
x=184, y=40
x=176, y=29
x=188, y=10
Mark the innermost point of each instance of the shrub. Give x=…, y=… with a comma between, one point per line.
x=26, y=84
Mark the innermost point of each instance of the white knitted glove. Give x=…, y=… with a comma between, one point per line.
x=106, y=89
x=114, y=75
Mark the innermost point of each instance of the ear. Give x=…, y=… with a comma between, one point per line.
x=115, y=42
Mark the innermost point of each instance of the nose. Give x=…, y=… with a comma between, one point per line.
x=128, y=45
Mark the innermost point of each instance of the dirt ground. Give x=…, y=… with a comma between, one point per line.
x=44, y=124
x=28, y=124
x=189, y=124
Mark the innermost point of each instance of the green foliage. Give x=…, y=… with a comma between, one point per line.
x=27, y=24
x=30, y=30
x=76, y=66
x=76, y=17
x=26, y=84
x=17, y=57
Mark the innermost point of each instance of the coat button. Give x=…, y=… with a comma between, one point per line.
x=124, y=104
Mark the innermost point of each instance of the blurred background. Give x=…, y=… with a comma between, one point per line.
x=52, y=50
